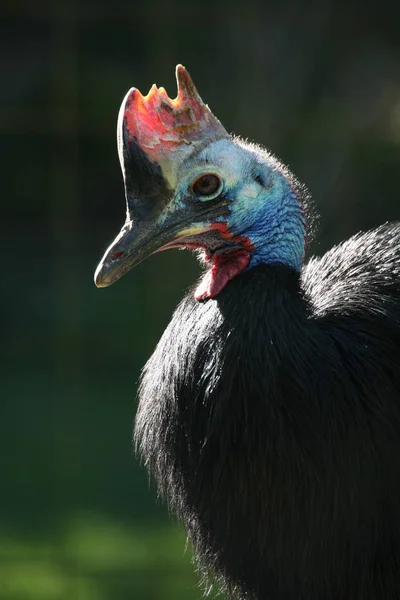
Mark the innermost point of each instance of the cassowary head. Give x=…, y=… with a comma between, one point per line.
x=190, y=184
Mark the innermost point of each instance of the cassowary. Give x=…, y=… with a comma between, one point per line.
x=269, y=413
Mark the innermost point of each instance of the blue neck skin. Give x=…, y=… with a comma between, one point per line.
x=274, y=223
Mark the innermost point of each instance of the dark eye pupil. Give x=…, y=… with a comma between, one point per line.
x=206, y=185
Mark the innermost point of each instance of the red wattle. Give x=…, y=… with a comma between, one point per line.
x=225, y=267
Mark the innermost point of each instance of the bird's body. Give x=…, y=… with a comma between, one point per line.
x=269, y=413
x=270, y=418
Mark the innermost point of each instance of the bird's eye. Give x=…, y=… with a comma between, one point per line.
x=207, y=186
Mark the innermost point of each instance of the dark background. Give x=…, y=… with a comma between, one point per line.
x=317, y=82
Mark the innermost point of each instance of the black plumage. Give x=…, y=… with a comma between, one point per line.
x=270, y=418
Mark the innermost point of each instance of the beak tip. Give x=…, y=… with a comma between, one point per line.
x=98, y=283
x=99, y=277
x=106, y=274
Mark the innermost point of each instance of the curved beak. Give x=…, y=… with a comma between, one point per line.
x=133, y=244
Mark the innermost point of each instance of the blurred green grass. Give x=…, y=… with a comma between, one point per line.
x=92, y=557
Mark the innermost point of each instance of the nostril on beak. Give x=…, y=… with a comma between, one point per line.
x=117, y=254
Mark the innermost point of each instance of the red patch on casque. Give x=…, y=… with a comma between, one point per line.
x=161, y=125
x=226, y=265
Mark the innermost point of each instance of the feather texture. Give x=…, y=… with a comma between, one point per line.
x=270, y=418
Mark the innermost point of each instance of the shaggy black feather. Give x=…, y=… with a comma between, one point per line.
x=270, y=418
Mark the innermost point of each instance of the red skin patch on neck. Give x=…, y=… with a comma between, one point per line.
x=226, y=265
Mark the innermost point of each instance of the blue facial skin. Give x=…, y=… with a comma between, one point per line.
x=264, y=205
